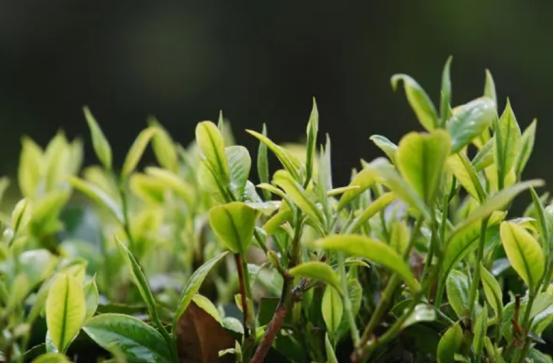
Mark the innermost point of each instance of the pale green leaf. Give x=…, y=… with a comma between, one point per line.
x=489, y=89
x=287, y=159
x=376, y=251
x=388, y=147
x=524, y=252
x=234, y=223
x=30, y=167
x=98, y=195
x=210, y=141
x=164, y=147
x=527, y=143
x=65, y=310
x=194, y=282
x=419, y=101
x=99, y=142
x=296, y=193
x=493, y=292
x=137, y=150
x=446, y=92
x=331, y=309
x=239, y=163
x=421, y=158
x=311, y=140
x=457, y=291
x=479, y=332
x=363, y=180
x=507, y=143
x=470, y=120
x=319, y=271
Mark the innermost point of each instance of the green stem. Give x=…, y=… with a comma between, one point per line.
x=477, y=270
x=347, y=303
x=386, y=297
x=527, y=327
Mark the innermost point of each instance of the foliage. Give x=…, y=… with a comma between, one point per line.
x=419, y=258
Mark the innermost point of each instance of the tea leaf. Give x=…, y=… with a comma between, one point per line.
x=400, y=187
x=141, y=282
x=450, y=343
x=363, y=180
x=466, y=175
x=99, y=142
x=419, y=101
x=290, y=162
x=317, y=270
x=210, y=142
x=470, y=120
x=527, y=143
x=329, y=351
x=524, y=252
x=65, y=310
x=388, y=147
x=51, y=358
x=331, y=309
x=462, y=241
x=507, y=143
x=297, y=194
x=239, y=163
x=164, y=147
x=493, y=292
x=137, y=150
x=498, y=201
x=91, y=297
x=446, y=92
x=136, y=340
x=98, y=195
x=489, y=89
x=194, y=282
x=421, y=313
x=380, y=253
x=262, y=164
x=30, y=167
x=234, y=223
x=311, y=140
x=457, y=290
x=173, y=182
x=421, y=158
x=479, y=332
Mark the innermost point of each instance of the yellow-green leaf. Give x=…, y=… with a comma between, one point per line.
x=296, y=193
x=469, y=121
x=524, y=253
x=164, y=147
x=137, y=150
x=331, y=309
x=363, y=180
x=99, y=142
x=287, y=159
x=376, y=251
x=419, y=101
x=421, y=158
x=234, y=223
x=317, y=270
x=65, y=310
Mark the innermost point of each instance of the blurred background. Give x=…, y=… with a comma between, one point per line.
x=262, y=61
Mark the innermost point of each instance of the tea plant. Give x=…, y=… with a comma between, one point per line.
x=418, y=258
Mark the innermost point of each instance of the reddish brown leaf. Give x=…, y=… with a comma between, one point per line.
x=200, y=337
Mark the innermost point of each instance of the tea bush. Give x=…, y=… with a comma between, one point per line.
x=418, y=258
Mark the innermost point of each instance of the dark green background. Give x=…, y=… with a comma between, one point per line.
x=263, y=61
